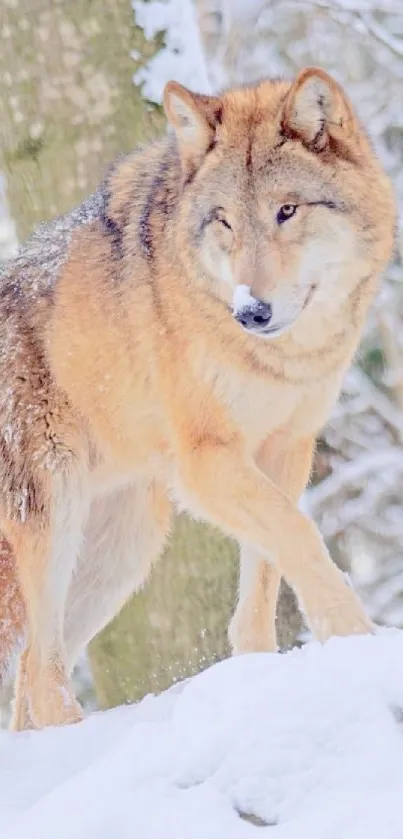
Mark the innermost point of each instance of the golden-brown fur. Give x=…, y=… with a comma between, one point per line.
x=127, y=383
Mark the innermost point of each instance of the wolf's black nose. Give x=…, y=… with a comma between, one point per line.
x=255, y=317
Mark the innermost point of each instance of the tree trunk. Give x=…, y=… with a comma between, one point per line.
x=68, y=107
x=177, y=625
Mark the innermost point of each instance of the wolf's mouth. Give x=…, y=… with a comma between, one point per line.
x=264, y=329
x=272, y=331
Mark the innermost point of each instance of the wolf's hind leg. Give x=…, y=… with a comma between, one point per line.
x=125, y=533
x=21, y=718
x=46, y=546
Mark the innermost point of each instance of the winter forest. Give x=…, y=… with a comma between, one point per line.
x=80, y=82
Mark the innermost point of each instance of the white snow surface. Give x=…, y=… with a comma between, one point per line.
x=309, y=743
x=181, y=58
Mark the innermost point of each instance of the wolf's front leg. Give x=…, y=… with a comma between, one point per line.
x=242, y=501
x=46, y=546
x=287, y=463
x=253, y=626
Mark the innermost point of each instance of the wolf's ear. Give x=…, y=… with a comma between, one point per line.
x=316, y=110
x=194, y=119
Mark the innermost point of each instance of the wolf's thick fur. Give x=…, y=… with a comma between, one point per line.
x=126, y=381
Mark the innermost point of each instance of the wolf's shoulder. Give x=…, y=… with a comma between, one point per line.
x=39, y=259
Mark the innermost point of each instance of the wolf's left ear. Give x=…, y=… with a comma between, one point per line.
x=194, y=119
x=316, y=110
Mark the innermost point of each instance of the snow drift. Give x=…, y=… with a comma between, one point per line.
x=307, y=745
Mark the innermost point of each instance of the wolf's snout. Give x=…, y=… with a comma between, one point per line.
x=255, y=317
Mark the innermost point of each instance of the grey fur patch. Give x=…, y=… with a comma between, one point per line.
x=38, y=261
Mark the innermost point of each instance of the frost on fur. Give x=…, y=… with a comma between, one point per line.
x=12, y=614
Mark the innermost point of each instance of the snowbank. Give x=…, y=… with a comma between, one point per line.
x=310, y=743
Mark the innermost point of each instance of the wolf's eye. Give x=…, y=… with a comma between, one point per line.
x=285, y=212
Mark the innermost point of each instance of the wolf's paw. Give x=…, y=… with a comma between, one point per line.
x=345, y=619
x=54, y=705
x=249, y=633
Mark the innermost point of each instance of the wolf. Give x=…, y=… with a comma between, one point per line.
x=180, y=339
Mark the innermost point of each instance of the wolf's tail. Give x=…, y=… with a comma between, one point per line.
x=12, y=612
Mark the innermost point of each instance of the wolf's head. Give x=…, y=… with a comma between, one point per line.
x=285, y=208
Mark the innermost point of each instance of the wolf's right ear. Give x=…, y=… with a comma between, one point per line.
x=316, y=110
x=195, y=119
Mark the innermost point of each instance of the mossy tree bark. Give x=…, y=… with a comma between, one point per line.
x=68, y=107
x=177, y=625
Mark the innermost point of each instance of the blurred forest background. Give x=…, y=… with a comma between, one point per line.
x=80, y=81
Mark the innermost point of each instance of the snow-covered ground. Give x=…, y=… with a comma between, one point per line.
x=307, y=745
